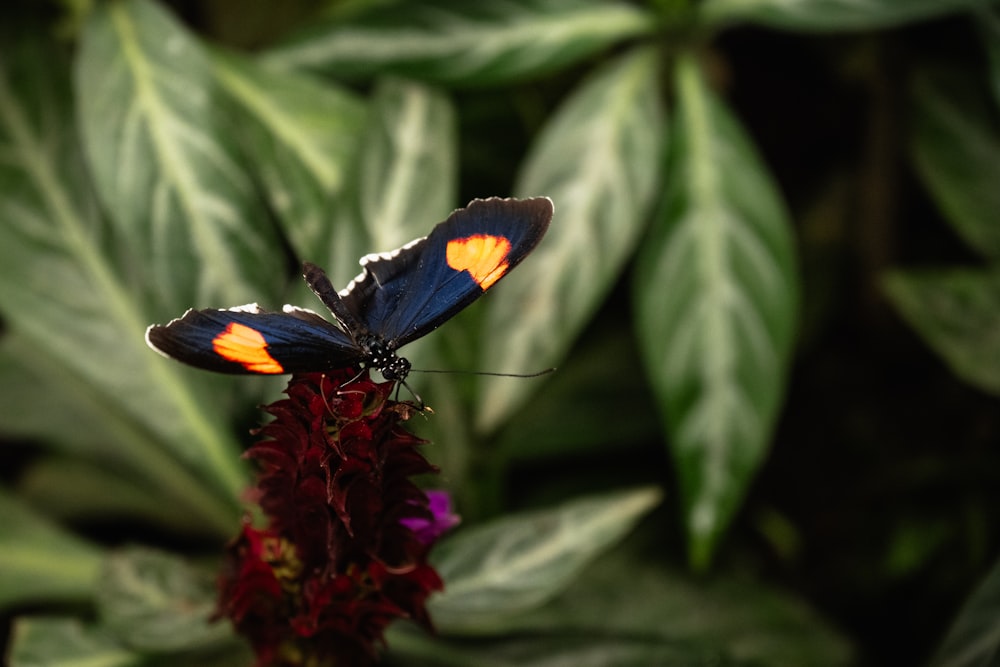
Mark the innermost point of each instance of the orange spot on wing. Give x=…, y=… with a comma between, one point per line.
x=482, y=255
x=246, y=347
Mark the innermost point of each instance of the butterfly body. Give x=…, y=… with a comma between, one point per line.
x=398, y=297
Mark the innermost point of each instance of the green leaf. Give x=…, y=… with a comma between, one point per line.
x=465, y=43
x=153, y=601
x=302, y=135
x=60, y=291
x=627, y=605
x=40, y=561
x=956, y=147
x=32, y=382
x=915, y=542
x=571, y=416
x=497, y=570
x=829, y=15
x=957, y=313
x=974, y=637
x=594, y=649
x=988, y=22
x=66, y=642
x=406, y=175
x=716, y=297
x=117, y=466
x=73, y=490
x=627, y=593
x=597, y=159
x=165, y=163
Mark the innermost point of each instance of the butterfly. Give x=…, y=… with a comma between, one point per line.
x=399, y=296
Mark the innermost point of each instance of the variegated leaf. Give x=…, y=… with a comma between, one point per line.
x=829, y=15
x=61, y=289
x=598, y=160
x=464, y=43
x=164, y=159
x=302, y=135
x=716, y=301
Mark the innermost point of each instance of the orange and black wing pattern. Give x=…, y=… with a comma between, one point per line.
x=249, y=340
x=398, y=297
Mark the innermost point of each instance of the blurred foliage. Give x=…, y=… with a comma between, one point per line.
x=770, y=217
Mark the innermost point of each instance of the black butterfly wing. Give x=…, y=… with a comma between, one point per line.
x=403, y=295
x=248, y=340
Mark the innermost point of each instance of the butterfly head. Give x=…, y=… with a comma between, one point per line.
x=381, y=356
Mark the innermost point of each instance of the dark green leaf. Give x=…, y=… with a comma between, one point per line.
x=40, y=399
x=40, y=561
x=509, y=566
x=625, y=593
x=829, y=15
x=716, y=297
x=915, y=542
x=62, y=294
x=466, y=43
x=958, y=314
x=597, y=159
x=74, y=490
x=593, y=649
x=32, y=382
x=956, y=147
x=974, y=637
x=988, y=22
x=164, y=161
x=153, y=601
x=302, y=135
x=627, y=600
x=571, y=416
x=66, y=642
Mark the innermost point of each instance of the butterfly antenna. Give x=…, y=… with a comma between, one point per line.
x=499, y=375
x=420, y=402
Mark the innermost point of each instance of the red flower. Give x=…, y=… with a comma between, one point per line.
x=345, y=551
